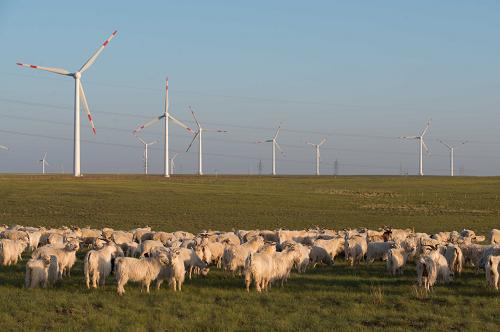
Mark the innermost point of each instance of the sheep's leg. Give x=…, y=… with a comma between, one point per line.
x=147, y=285
x=158, y=283
x=190, y=271
x=248, y=280
x=174, y=285
x=95, y=277
x=179, y=283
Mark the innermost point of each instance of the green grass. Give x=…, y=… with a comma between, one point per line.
x=327, y=298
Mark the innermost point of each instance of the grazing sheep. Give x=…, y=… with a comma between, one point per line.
x=192, y=261
x=303, y=260
x=11, y=250
x=333, y=246
x=319, y=254
x=283, y=263
x=491, y=268
x=98, y=264
x=143, y=270
x=378, y=250
x=454, y=257
x=444, y=275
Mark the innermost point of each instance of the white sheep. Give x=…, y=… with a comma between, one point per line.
x=143, y=270
x=259, y=268
x=492, y=273
x=174, y=271
x=11, y=250
x=454, y=257
x=378, y=250
x=396, y=260
x=66, y=255
x=98, y=264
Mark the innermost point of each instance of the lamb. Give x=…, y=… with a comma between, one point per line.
x=98, y=264
x=491, y=268
x=174, y=271
x=143, y=270
x=11, y=250
x=66, y=256
x=378, y=250
x=454, y=257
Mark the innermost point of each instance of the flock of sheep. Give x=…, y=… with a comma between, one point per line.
x=262, y=257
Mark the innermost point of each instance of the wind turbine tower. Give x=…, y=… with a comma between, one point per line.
x=452, y=150
x=420, y=138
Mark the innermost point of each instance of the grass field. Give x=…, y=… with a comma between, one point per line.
x=327, y=298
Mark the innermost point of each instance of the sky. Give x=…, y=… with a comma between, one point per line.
x=360, y=73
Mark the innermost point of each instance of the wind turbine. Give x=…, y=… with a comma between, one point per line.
x=165, y=116
x=452, y=148
x=199, y=135
x=422, y=146
x=44, y=162
x=316, y=146
x=79, y=92
x=146, y=145
x=172, y=163
x=275, y=145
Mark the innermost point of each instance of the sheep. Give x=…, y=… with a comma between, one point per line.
x=319, y=254
x=192, y=261
x=355, y=248
x=426, y=272
x=378, y=250
x=259, y=267
x=66, y=256
x=98, y=264
x=148, y=245
x=216, y=251
x=495, y=236
x=12, y=234
x=174, y=271
x=131, y=249
x=229, y=238
x=333, y=246
x=491, y=268
x=444, y=274
x=454, y=257
x=37, y=272
x=121, y=237
x=139, y=232
x=283, y=263
x=89, y=235
x=143, y=270
x=303, y=258
x=491, y=250
x=11, y=250
x=235, y=255
x=34, y=239
x=396, y=260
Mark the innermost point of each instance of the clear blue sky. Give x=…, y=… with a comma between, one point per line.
x=361, y=73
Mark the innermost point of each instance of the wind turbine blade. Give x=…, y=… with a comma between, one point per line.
x=153, y=142
x=59, y=71
x=425, y=146
x=323, y=141
x=194, y=116
x=149, y=123
x=94, y=56
x=279, y=148
x=44, y=156
x=86, y=107
x=180, y=123
x=4, y=147
x=194, y=137
x=140, y=139
x=445, y=144
x=426, y=128
x=311, y=144
x=408, y=137
x=277, y=132
x=173, y=158
x=215, y=130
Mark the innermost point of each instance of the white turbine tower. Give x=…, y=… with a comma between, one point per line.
x=452, y=149
x=316, y=146
x=79, y=92
x=165, y=116
x=146, y=145
x=43, y=162
x=199, y=134
x=422, y=147
x=172, y=163
x=275, y=145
